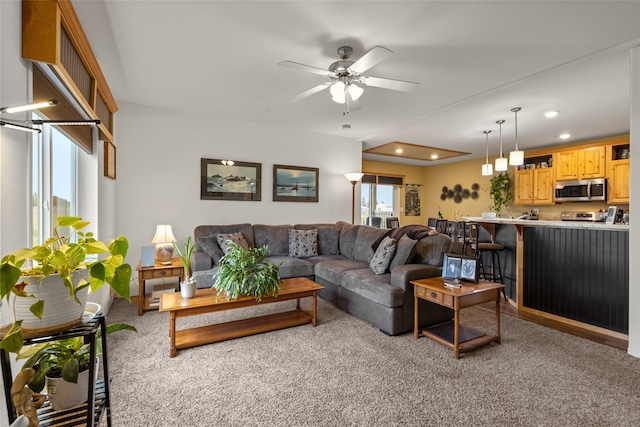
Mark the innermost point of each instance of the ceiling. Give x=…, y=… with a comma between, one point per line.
x=474, y=62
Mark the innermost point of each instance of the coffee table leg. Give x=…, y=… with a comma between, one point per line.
x=173, y=351
x=315, y=308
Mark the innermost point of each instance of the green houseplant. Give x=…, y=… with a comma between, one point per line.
x=188, y=285
x=247, y=272
x=500, y=192
x=62, y=257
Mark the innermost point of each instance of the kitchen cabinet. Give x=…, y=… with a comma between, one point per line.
x=618, y=172
x=580, y=164
x=534, y=186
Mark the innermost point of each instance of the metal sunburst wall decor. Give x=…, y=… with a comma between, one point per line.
x=458, y=194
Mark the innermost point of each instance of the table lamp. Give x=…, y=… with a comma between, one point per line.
x=163, y=240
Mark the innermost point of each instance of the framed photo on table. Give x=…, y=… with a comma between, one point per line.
x=611, y=215
x=295, y=184
x=461, y=267
x=230, y=180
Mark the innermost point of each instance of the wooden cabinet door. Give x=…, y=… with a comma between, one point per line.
x=619, y=181
x=543, y=186
x=565, y=164
x=524, y=187
x=591, y=162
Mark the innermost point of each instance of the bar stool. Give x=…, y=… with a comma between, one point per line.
x=494, y=275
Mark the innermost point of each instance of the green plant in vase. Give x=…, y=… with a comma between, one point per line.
x=500, y=192
x=188, y=285
x=247, y=272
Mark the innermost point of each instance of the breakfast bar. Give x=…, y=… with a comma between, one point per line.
x=573, y=272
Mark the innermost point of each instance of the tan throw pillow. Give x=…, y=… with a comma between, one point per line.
x=383, y=256
x=237, y=238
x=303, y=243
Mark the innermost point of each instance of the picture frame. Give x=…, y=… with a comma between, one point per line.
x=611, y=215
x=295, y=183
x=230, y=180
x=460, y=267
x=109, y=160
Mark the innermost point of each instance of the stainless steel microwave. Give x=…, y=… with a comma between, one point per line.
x=580, y=190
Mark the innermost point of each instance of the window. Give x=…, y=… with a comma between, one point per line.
x=380, y=199
x=53, y=183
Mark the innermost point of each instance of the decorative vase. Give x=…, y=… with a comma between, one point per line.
x=64, y=394
x=60, y=310
x=188, y=289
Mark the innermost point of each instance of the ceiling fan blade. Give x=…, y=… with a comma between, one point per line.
x=310, y=92
x=400, y=85
x=303, y=67
x=371, y=58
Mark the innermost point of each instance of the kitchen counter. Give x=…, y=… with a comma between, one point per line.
x=547, y=223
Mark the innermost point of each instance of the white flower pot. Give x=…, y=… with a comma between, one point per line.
x=65, y=395
x=61, y=311
x=188, y=289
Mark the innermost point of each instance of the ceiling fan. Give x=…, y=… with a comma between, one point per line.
x=347, y=78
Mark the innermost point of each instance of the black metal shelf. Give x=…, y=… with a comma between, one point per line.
x=98, y=400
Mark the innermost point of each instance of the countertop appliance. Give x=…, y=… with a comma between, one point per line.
x=583, y=216
x=580, y=190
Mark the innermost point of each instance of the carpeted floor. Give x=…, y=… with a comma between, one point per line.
x=344, y=372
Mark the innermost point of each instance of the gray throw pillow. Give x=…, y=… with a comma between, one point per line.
x=210, y=245
x=404, y=253
x=383, y=255
x=303, y=243
x=237, y=238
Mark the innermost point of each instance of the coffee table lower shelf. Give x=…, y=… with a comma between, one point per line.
x=209, y=334
x=469, y=338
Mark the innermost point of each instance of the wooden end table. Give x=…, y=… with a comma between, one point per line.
x=452, y=334
x=157, y=271
x=205, y=302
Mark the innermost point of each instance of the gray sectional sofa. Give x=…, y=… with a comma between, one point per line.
x=342, y=266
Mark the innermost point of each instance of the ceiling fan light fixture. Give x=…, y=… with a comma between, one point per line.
x=337, y=92
x=355, y=91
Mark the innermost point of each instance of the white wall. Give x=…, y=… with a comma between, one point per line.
x=634, y=209
x=158, y=173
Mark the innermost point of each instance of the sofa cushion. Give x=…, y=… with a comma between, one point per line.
x=382, y=257
x=303, y=243
x=292, y=267
x=210, y=245
x=431, y=249
x=213, y=230
x=331, y=270
x=224, y=240
x=274, y=236
x=328, y=237
x=404, y=252
x=366, y=236
x=348, y=236
x=374, y=287
x=205, y=278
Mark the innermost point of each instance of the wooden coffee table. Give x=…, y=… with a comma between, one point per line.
x=205, y=302
x=452, y=334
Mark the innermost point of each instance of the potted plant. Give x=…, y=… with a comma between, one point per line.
x=247, y=272
x=65, y=365
x=188, y=285
x=37, y=273
x=500, y=192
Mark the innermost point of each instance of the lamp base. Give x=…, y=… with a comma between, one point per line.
x=164, y=253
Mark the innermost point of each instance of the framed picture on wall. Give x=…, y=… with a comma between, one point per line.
x=295, y=184
x=230, y=180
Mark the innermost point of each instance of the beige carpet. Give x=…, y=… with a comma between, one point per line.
x=344, y=372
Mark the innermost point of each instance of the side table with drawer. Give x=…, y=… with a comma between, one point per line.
x=157, y=271
x=452, y=334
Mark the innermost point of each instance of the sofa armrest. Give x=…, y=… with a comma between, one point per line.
x=201, y=260
x=403, y=274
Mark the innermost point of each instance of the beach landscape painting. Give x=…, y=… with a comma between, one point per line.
x=295, y=184
x=230, y=180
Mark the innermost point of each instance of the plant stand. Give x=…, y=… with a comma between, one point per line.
x=98, y=401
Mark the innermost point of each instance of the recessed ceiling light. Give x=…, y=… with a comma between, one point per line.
x=434, y=156
x=550, y=114
x=346, y=127
x=565, y=136
x=398, y=150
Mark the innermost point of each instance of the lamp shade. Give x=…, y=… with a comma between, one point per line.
x=487, y=169
x=337, y=92
x=354, y=177
x=355, y=91
x=163, y=240
x=502, y=164
x=164, y=234
x=516, y=158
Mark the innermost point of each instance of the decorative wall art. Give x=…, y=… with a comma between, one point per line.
x=457, y=193
x=109, y=160
x=412, y=199
x=230, y=180
x=295, y=184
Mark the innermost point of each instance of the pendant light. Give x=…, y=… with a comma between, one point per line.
x=501, y=163
x=516, y=157
x=487, y=168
